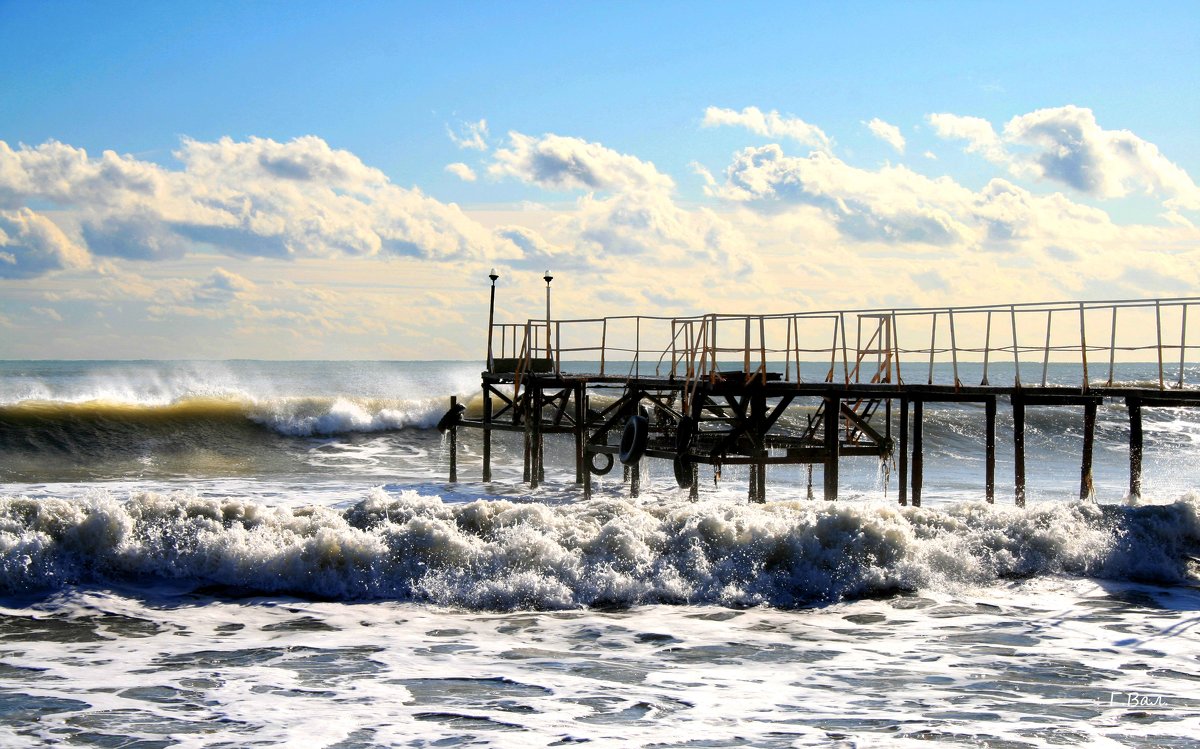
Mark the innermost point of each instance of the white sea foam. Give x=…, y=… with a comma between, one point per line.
x=306, y=417
x=503, y=555
x=1033, y=664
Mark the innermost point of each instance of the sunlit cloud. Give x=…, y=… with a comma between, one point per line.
x=462, y=171
x=470, y=135
x=770, y=124
x=887, y=133
x=304, y=246
x=558, y=162
x=1067, y=146
x=254, y=198
x=979, y=134
x=31, y=244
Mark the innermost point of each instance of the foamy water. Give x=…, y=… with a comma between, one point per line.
x=268, y=554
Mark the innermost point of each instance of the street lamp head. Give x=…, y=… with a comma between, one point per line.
x=548, y=278
x=493, y=275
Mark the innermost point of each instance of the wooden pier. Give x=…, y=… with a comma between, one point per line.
x=710, y=390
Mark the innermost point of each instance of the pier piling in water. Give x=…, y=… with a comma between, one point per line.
x=918, y=452
x=1135, y=446
x=989, y=449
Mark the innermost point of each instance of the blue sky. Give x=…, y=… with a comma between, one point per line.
x=656, y=103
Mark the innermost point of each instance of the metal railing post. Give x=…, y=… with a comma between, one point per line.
x=1083, y=346
x=932, y=346
x=1012, y=312
x=1158, y=329
x=987, y=347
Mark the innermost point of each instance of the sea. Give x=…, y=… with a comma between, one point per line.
x=271, y=554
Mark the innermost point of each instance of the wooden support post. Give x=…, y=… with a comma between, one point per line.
x=1018, y=406
x=833, y=408
x=587, y=470
x=762, y=478
x=540, y=443
x=1086, y=486
x=453, y=443
x=533, y=427
x=487, y=433
x=635, y=479
x=918, y=452
x=758, y=470
x=581, y=469
x=694, y=490
x=810, y=491
x=526, y=474
x=904, y=451
x=989, y=464
x=541, y=453
x=1135, y=447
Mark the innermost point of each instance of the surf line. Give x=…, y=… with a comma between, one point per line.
x=711, y=389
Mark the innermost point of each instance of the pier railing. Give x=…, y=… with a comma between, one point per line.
x=1015, y=344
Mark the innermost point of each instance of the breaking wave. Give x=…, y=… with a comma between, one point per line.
x=93, y=421
x=501, y=555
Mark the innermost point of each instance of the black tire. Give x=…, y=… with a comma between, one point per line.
x=600, y=470
x=685, y=431
x=683, y=471
x=634, y=440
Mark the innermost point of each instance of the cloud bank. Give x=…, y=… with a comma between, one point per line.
x=266, y=240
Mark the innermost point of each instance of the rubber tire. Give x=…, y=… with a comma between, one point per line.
x=683, y=471
x=600, y=470
x=685, y=431
x=634, y=440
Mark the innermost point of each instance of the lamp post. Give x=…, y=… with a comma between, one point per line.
x=491, y=363
x=548, y=278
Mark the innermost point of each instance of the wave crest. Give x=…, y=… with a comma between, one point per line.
x=508, y=555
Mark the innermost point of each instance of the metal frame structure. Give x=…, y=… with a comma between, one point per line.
x=713, y=387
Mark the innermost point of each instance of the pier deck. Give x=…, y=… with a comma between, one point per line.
x=711, y=390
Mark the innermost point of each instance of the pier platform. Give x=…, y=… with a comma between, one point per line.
x=816, y=388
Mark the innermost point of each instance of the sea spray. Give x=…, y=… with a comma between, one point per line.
x=502, y=555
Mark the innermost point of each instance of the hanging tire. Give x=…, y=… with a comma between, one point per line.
x=634, y=440
x=605, y=466
x=683, y=471
x=685, y=430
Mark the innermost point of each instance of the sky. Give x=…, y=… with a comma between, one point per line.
x=311, y=180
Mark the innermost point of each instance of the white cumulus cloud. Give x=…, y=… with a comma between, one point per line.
x=31, y=244
x=256, y=197
x=770, y=124
x=470, y=135
x=1070, y=147
x=560, y=162
x=894, y=205
x=1067, y=146
x=462, y=171
x=887, y=133
x=979, y=134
